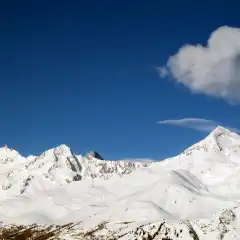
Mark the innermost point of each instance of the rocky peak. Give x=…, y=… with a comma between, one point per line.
x=94, y=154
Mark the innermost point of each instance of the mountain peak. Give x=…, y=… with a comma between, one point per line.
x=94, y=154
x=220, y=130
x=223, y=132
x=63, y=150
x=6, y=152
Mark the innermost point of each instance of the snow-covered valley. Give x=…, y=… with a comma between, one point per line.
x=194, y=195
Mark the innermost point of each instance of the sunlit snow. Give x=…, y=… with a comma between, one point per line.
x=192, y=190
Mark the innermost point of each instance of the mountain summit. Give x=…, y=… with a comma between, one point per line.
x=194, y=195
x=94, y=154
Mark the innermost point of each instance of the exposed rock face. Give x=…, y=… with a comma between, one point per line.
x=220, y=227
x=95, y=155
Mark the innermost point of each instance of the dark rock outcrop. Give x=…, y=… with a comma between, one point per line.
x=95, y=155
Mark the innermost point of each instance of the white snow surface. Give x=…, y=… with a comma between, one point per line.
x=196, y=189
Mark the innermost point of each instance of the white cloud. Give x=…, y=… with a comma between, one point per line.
x=198, y=124
x=213, y=69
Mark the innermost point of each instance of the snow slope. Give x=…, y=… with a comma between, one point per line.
x=194, y=195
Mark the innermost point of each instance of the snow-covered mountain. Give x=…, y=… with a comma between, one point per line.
x=194, y=195
x=55, y=167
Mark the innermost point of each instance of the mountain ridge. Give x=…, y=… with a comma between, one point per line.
x=196, y=193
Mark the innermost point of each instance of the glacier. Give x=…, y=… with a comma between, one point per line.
x=194, y=195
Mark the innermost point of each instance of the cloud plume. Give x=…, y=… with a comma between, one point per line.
x=213, y=69
x=199, y=124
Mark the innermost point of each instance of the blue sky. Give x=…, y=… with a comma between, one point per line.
x=84, y=73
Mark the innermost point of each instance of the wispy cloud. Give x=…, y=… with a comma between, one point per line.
x=198, y=124
x=213, y=69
